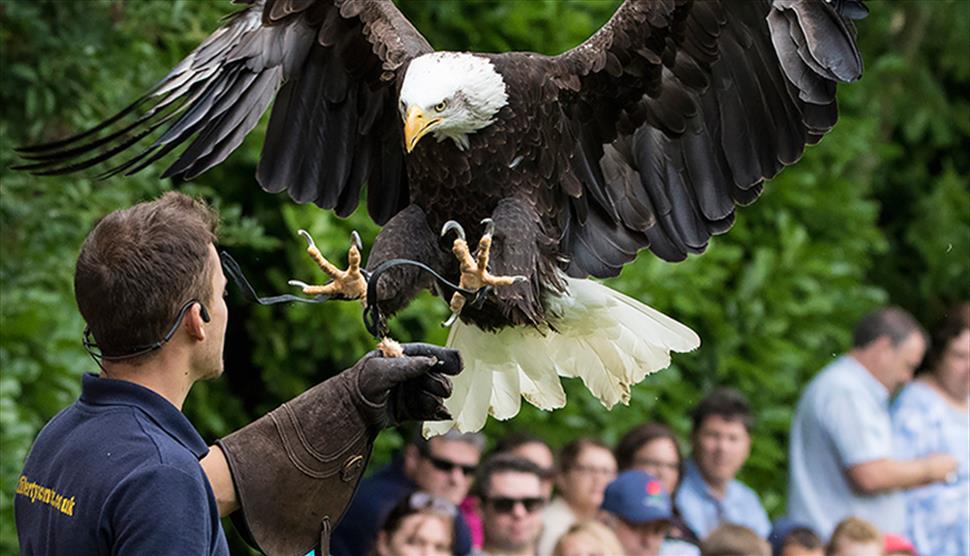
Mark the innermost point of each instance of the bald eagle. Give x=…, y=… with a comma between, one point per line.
x=646, y=136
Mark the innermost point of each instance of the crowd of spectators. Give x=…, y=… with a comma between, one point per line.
x=879, y=465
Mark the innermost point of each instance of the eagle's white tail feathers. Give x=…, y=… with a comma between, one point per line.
x=608, y=340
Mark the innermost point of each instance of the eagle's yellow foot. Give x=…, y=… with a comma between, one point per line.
x=347, y=284
x=474, y=269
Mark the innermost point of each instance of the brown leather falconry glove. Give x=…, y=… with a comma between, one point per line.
x=296, y=469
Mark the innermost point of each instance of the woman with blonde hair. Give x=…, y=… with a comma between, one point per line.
x=588, y=538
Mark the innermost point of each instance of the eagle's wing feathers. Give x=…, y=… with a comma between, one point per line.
x=682, y=109
x=346, y=52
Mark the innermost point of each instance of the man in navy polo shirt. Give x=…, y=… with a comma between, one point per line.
x=122, y=471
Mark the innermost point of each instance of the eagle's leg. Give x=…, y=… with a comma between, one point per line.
x=347, y=284
x=474, y=269
x=407, y=235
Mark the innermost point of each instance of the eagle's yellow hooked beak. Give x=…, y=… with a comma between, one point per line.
x=416, y=126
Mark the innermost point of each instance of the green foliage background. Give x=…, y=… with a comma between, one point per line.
x=878, y=213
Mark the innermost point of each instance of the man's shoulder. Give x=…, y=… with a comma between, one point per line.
x=835, y=379
x=80, y=432
x=140, y=433
x=745, y=494
x=103, y=445
x=164, y=480
x=168, y=450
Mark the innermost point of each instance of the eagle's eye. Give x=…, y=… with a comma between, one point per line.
x=440, y=107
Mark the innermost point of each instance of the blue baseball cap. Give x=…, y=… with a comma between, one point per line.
x=637, y=497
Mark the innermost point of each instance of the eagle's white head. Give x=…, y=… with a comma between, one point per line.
x=450, y=95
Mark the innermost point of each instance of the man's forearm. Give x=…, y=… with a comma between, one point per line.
x=874, y=477
x=217, y=469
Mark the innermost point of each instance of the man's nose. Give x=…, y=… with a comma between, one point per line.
x=457, y=475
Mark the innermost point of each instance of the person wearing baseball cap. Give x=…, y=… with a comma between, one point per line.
x=638, y=509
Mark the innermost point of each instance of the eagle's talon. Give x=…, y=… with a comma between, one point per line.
x=475, y=276
x=452, y=225
x=348, y=284
x=479, y=299
x=489, y=227
x=451, y=320
x=309, y=239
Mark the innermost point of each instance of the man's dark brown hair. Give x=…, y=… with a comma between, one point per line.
x=139, y=266
x=502, y=463
x=727, y=403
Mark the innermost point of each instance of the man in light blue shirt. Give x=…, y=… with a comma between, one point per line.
x=840, y=460
x=709, y=494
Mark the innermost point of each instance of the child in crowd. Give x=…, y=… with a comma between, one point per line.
x=790, y=538
x=855, y=537
x=588, y=538
x=730, y=539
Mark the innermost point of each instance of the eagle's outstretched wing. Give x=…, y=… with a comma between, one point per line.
x=334, y=126
x=682, y=109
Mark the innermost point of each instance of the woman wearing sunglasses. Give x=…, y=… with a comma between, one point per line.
x=419, y=525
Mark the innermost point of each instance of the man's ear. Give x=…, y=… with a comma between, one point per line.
x=194, y=322
x=884, y=344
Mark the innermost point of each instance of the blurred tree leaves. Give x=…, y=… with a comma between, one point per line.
x=878, y=212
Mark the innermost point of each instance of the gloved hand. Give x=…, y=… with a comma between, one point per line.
x=296, y=469
x=410, y=388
